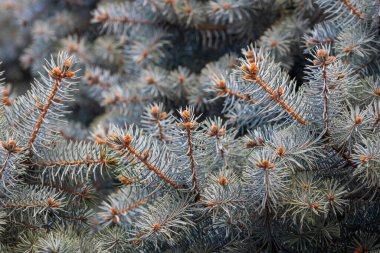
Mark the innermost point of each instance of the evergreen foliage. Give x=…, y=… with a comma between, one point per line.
x=221, y=126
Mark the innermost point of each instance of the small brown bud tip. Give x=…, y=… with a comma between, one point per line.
x=315, y=205
x=281, y=150
x=102, y=17
x=4, y=144
x=124, y=180
x=261, y=141
x=253, y=68
x=17, y=149
x=359, y=249
x=247, y=77
x=222, y=84
x=7, y=101
x=273, y=44
x=214, y=128
x=280, y=91
x=113, y=210
x=340, y=76
x=215, y=10
x=223, y=181
x=249, y=53
x=188, y=10
x=67, y=64
x=12, y=143
x=358, y=120
x=244, y=68
x=347, y=50
x=265, y=163
x=102, y=155
x=52, y=203
x=170, y=1
x=321, y=53
x=251, y=144
x=127, y=139
x=163, y=115
x=331, y=197
x=150, y=80
x=145, y=54
x=222, y=131
x=251, y=60
x=186, y=114
x=227, y=6
x=69, y=74
x=6, y=92
x=100, y=141
x=154, y=110
x=305, y=186
x=210, y=203
x=316, y=62
x=156, y=227
x=377, y=91
x=330, y=59
x=181, y=79
x=364, y=159
x=56, y=71
x=115, y=219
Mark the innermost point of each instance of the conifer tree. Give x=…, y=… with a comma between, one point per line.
x=222, y=126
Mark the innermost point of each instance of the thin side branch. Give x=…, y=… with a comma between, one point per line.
x=150, y=165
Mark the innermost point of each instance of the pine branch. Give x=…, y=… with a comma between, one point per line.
x=352, y=8
x=58, y=74
x=189, y=125
x=225, y=91
x=325, y=90
x=76, y=218
x=78, y=162
x=143, y=159
x=123, y=144
x=275, y=96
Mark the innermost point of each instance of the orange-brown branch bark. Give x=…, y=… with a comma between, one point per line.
x=352, y=8
x=279, y=100
x=192, y=163
x=150, y=166
x=44, y=112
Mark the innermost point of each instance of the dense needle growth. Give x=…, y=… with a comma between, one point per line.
x=190, y=126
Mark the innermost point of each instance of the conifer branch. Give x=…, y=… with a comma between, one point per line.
x=58, y=73
x=225, y=91
x=76, y=218
x=124, y=145
x=352, y=8
x=189, y=125
x=4, y=164
x=252, y=71
x=49, y=203
x=150, y=165
x=325, y=90
x=78, y=162
x=192, y=163
x=44, y=112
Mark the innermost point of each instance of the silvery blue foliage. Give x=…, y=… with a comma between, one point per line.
x=215, y=126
